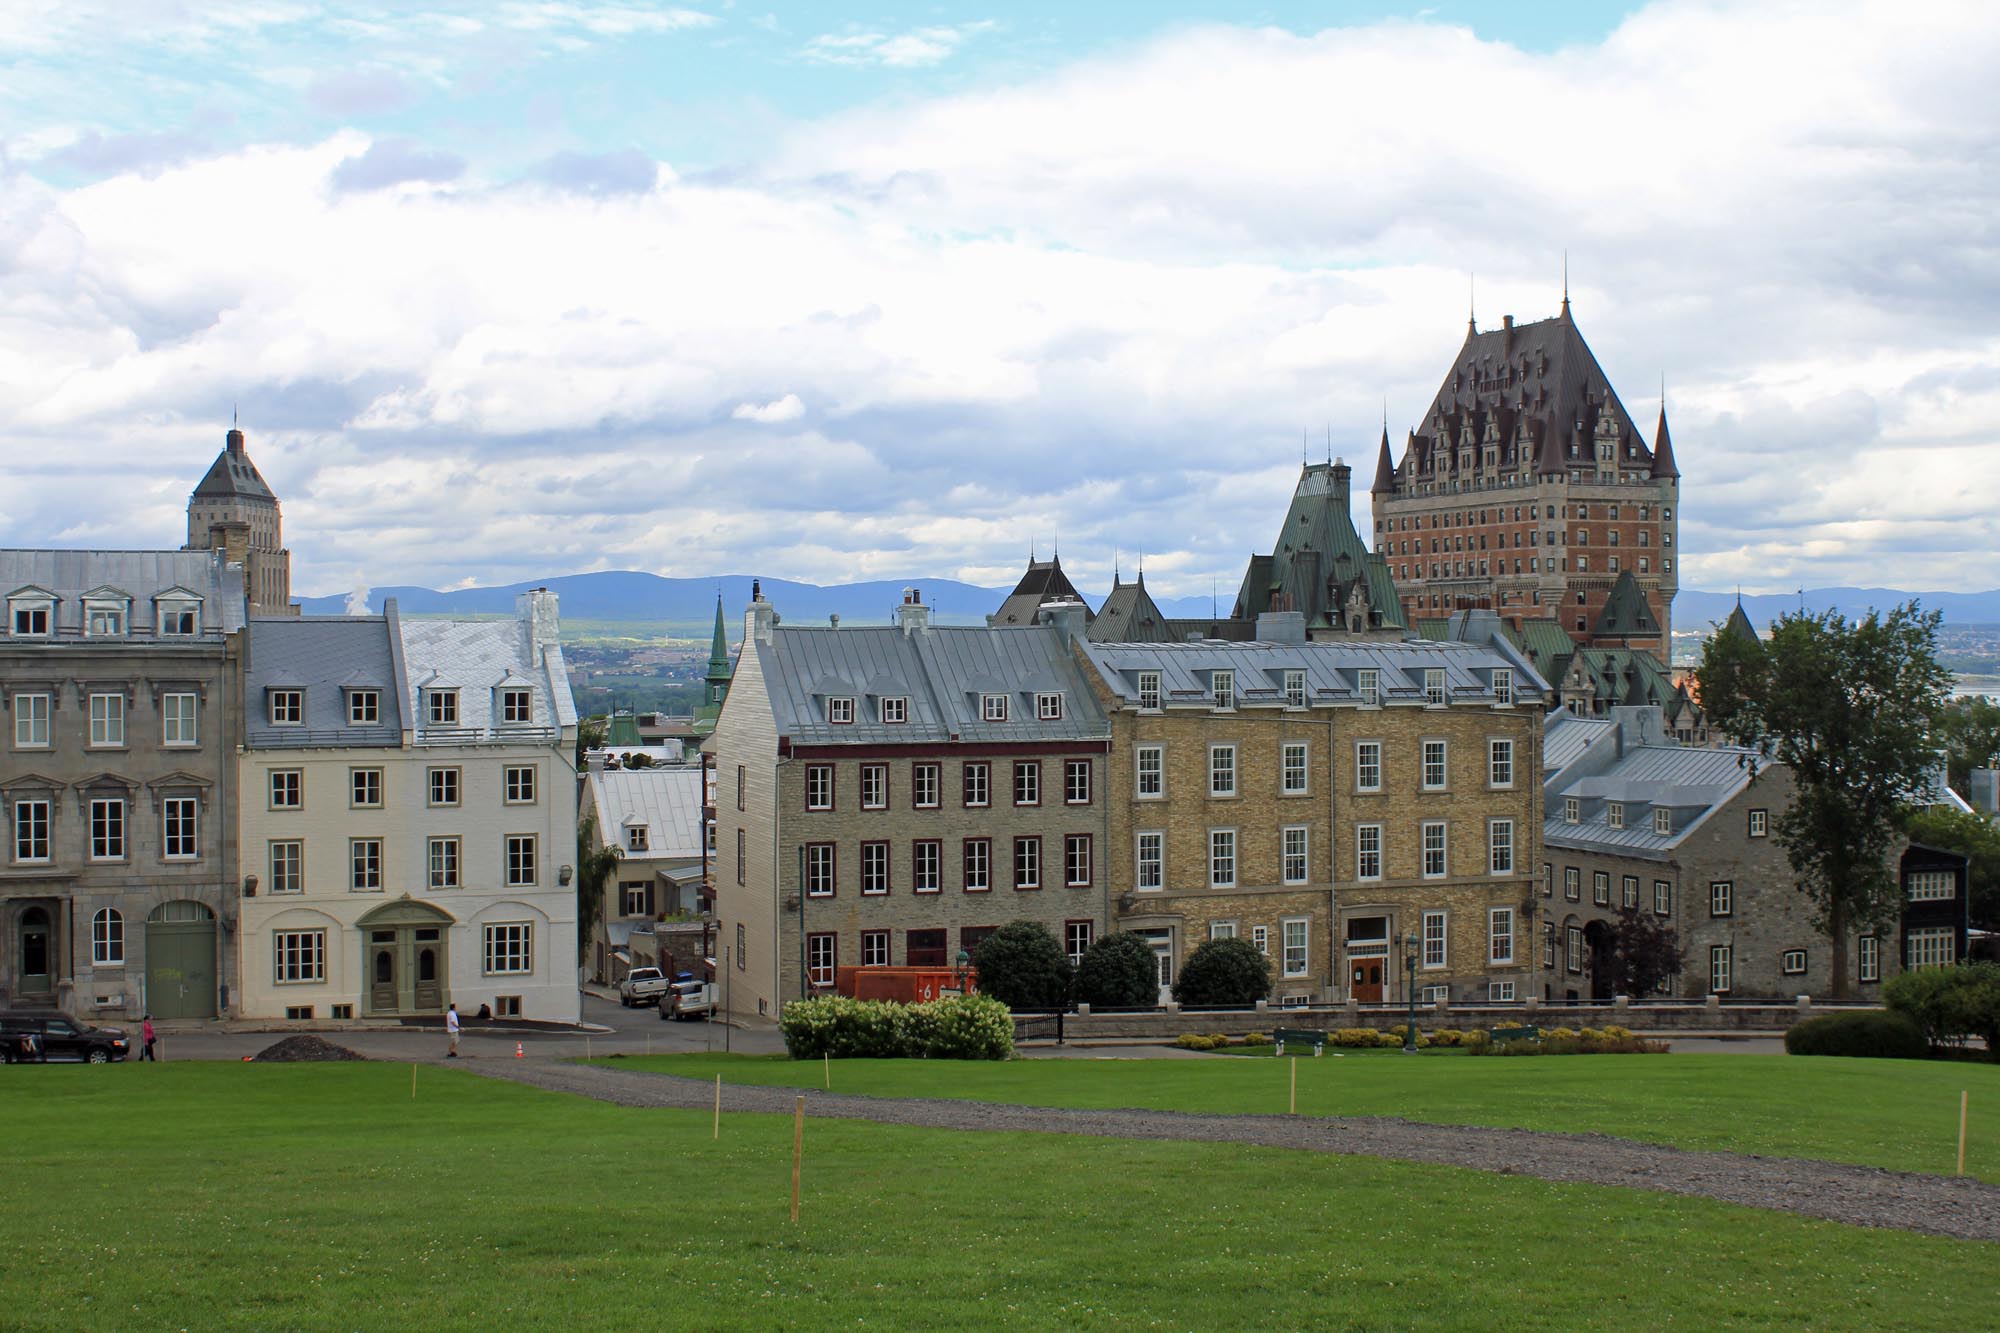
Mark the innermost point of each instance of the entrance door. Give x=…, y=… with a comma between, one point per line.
x=383, y=992
x=1597, y=938
x=430, y=968
x=36, y=979
x=1366, y=987
x=180, y=961
x=1163, y=956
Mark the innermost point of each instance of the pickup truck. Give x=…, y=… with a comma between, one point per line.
x=642, y=986
x=688, y=999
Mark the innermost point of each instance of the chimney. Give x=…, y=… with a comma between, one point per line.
x=761, y=618
x=235, y=441
x=537, y=610
x=912, y=615
x=1341, y=474
x=1638, y=726
x=1065, y=617
x=1281, y=627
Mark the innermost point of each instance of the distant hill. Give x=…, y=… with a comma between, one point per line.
x=1695, y=608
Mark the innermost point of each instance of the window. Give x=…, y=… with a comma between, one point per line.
x=1222, y=858
x=1871, y=958
x=1368, y=851
x=1503, y=686
x=1663, y=822
x=895, y=711
x=840, y=710
x=820, y=950
x=298, y=956
x=1434, y=687
x=978, y=865
x=521, y=785
x=1151, y=769
x=924, y=948
x=31, y=721
x=1295, y=689
x=1718, y=968
x=1222, y=930
x=1500, y=992
x=1368, y=684
x=1500, y=763
x=874, y=867
x=1027, y=863
x=1792, y=962
x=1368, y=766
x=819, y=786
x=1631, y=892
x=107, y=830
x=1931, y=946
x=927, y=865
x=1076, y=782
x=742, y=855
x=31, y=619
x=1548, y=944
x=1224, y=685
x=1720, y=894
x=288, y=868
x=1931, y=886
x=442, y=707
x=1260, y=939
x=1663, y=897
x=993, y=707
x=1149, y=690
x=1434, y=941
x=1295, y=946
x=521, y=859
x=364, y=708
x=107, y=719
x=874, y=948
x=1221, y=770
x=742, y=954
x=1614, y=814
x=1572, y=810
x=510, y=947
x=1434, y=765
x=1500, y=935
x=443, y=785
x=104, y=619
x=1078, y=936
x=364, y=859
x=874, y=786
x=977, y=784
x=517, y=707
x=1151, y=867
x=1572, y=884
x=1027, y=783
x=926, y=780
x=1292, y=781
x=1295, y=862
x=1548, y=880
x=1573, y=948
x=288, y=786
x=177, y=719
x=1760, y=823
x=179, y=841
x=742, y=782
x=1434, y=850
x=1500, y=846
x=364, y=788
x=1048, y=707
x=819, y=870
x=107, y=938
x=444, y=857
x=1076, y=860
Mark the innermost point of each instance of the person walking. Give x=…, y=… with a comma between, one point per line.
x=451, y=1031
x=146, y=1034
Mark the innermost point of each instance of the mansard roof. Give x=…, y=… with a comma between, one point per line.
x=1043, y=582
x=1319, y=559
x=1626, y=614
x=232, y=475
x=1130, y=615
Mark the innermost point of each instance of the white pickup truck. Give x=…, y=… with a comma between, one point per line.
x=642, y=986
x=688, y=999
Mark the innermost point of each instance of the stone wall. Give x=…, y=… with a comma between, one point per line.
x=1155, y=1025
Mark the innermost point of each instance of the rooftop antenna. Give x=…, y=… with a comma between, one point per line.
x=1565, y=283
x=1212, y=608
x=1471, y=304
x=1114, y=566
x=1329, y=442
x=1302, y=446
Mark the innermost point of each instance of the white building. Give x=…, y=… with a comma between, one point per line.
x=407, y=817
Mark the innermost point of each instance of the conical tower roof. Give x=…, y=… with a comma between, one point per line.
x=233, y=474
x=1385, y=467
x=718, y=651
x=1626, y=615
x=1663, y=449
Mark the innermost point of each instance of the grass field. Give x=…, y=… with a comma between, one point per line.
x=200, y=1196
x=1894, y=1113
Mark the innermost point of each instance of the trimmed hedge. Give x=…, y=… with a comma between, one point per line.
x=1118, y=971
x=958, y=1027
x=1869, y=1034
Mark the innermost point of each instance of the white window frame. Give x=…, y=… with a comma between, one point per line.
x=1027, y=862
x=180, y=719
x=1721, y=965
x=1436, y=849
x=1499, y=935
x=34, y=831
x=107, y=937
x=1721, y=898
x=441, y=707
x=1149, y=773
x=1260, y=939
x=1930, y=946
x=875, y=948
x=286, y=708
x=298, y=957
x=365, y=788
x=286, y=788
x=927, y=878
x=979, y=850
x=840, y=710
x=1222, y=858
x=1434, y=691
x=1368, y=765
x=523, y=784
x=31, y=617
x=1572, y=810
x=1078, y=861
x=1368, y=851
x=874, y=868
x=364, y=865
x=975, y=785
x=1222, y=930
x=1294, y=778
x=1048, y=706
x=1931, y=886
x=1500, y=763
x=1149, y=861
x=1870, y=957
x=364, y=708
x=1663, y=822
x=926, y=786
x=1295, y=854
x=1148, y=690
x=993, y=708
x=1221, y=765
x=822, y=957
x=1503, y=687
x=895, y=709
x=444, y=787
x=1368, y=686
x=1792, y=963
x=517, y=707
x=1760, y=823
x=107, y=721
x=31, y=721
x=1436, y=941
x=1223, y=685
x=1076, y=781
x=285, y=863
x=1435, y=772
x=874, y=786
x=180, y=828
x=104, y=618
x=108, y=839
x=1078, y=936
x=1297, y=961
x=1614, y=814
x=1295, y=688
x=1663, y=897
x=819, y=787
x=1027, y=779
x=1500, y=846
x=507, y=948
x=1500, y=992
x=820, y=870
x=445, y=857
x=521, y=861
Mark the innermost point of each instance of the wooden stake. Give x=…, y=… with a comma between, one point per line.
x=1295, y=1085
x=1964, y=1101
x=586, y=1048
x=1961, y=1128
x=718, y=1107
x=826, y=1062
x=798, y=1151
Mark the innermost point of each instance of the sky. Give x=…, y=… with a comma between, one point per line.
x=520, y=288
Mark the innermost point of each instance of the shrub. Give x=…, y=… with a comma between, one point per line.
x=1023, y=966
x=1257, y=1039
x=1949, y=1004
x=1224, y=972
x=1591, y=1041
x=961, y=1027
x=1359, y=1037
x=1447, y=1037
x=1200, y=1041
x=1477, y=1040
x=1871, y=1034
x=967, y=1027
x=1394, y=1037
x=1119, y=971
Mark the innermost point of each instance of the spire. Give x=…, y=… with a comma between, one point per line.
x=1565, y=309
x=1385, y=466
x=1471, y=306
x=718, y=651
x=1663, y=445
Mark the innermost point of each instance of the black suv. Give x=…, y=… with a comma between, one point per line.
x=42, y=1037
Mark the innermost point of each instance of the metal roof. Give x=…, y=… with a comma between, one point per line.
x=325, y=657
x=141, y=575
x=1187, y=670
x=475, y=657
x=1690, y=782
x=1565, y=737
x=667, y=801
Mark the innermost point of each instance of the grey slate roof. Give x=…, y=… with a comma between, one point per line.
x=1691, y=783
x=326, y=657
x=1044, y=581
x=476, y=657
x=668, y=801
x=140, y=575
x=233, y=474
x=1565, y=737
x=941, y=670
x=1187, y=670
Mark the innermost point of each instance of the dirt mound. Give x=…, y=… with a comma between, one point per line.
x=300, y=1049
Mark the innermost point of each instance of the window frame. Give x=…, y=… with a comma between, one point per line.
x=1499, y=927
x=1721, y=898
x=180, y=828
x=1224, y=751
x=1147, y=688
x=1048, y=706
x=840, y=710
x=1078, y=852
x=300, y=953
x=364, y=865
x=1027, y=783
x=820, y=793
x=521, y=851
x=1436, y=845
x=1143, y=842
x=107, y=725
x=180, y=711
x=443, y=776
x=444, y=861
x=926, y=776
x=1434, y=772
x=1500, y=763
x=1076, y=781
x=108, y=836
x=1721, y=969
x=519, y=778
x=107, y=937
x=1027, y=863
x=441, y=707
x=1362, y=750
x=1295, y=864
x=364, y=708
x=1304, y=946
x=821, y=867
x=1436, y=941
x=921, y=882
x=875, y=872
x=507, y=942
x=979, y=851
x=285, y=865
x=1500, y=846
x=878, y=775
x=894, y=710
x=1157, y=754
x=976, y=773
x=33, y=710
x=1222, y=858
x=822, y=958
x=1364, y=835
x=1295, y=687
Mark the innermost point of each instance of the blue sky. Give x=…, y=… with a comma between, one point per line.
x=538, y=286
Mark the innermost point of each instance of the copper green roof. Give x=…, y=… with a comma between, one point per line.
x=1318, y=559
x=1626, y=614
x=718, y=651
x=622, y=730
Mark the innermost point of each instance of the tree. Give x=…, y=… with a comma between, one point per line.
x=1645, y=954
x=1975, y=836
x=1119, y=971
x=590, y=734
x=1852, y=711
x=1229, y=972
x=1970, y=732
x=1023, y=966
x=593, y=868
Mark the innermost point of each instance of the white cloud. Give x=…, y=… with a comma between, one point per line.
x=788, y=408
x=902, y=50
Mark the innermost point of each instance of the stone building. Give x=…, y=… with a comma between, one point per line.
x=888, y=795
x=233, y=510
x=119, y=676
x=1324, y=800
x=654, y=817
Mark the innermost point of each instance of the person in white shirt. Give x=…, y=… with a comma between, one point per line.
x=451, y=1031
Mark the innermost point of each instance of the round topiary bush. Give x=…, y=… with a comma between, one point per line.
x=1870, y=1034
x=1023, y=966
x=1119, y=971
x=1224, y=972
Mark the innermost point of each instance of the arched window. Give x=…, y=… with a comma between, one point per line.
x=107, y=938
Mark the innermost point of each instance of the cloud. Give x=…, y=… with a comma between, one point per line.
x=788, y=408
x=364, y=92
x=903, y=50
x=626, y=171
x=395, y=162
x=98, y=154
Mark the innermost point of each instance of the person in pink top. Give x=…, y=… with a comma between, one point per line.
x=146, y=1035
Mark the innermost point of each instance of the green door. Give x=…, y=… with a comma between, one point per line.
x=180, y=961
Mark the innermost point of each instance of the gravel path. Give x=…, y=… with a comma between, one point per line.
x=1961, y=1208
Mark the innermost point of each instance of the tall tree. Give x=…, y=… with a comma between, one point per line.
x=593, y=867
x=1970, y=730
x=1645, y=955
x=1852, y=711
x=1977, y=837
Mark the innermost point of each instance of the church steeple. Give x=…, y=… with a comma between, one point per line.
x=718, y=659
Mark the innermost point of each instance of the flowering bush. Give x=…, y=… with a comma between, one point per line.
x=959, y=1027
x=1196, y=1041
x=1361, y=1037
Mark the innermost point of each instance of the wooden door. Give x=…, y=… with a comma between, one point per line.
x=1366, y=975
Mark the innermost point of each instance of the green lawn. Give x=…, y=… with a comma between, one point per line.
x=216, y=1195
x=1894, y=1113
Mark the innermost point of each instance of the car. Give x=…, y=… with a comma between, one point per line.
x=688, y=998
x=44, y=1037
x=642, y=986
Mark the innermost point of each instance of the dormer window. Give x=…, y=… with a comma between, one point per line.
x=1434, y=687
x=104, y=619
x=1295, y=689
x=364, y=707
x=1368, y=684
x=993, y=707
x=1223, y=683
x=840, y=710
x=1149, y=689
x=31, y=617
x=441, y=707
x=635, y=838
x=1503, y=686
x=288, y=708
x=179, y=620
x=1048, y=707
x=1572, y=810
x=1663, y=822
x=895, y=709
x=517, y=706
x=1614, y=814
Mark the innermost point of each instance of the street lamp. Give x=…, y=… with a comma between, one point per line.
x=964, y=964
x=1410, y=944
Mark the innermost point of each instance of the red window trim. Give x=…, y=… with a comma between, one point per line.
x=833, y=970
x=986, y=804
x=861, y=787
x=1090, y=850
x=888, y=948
x=832, y=790
x=1090, y=769
x=937, y=786
x=915, y=887
x=888, y=872
x=964, y=887
x=1015, y=774
x=1041, y=863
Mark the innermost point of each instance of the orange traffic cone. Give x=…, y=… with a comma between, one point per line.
x=518, y=1055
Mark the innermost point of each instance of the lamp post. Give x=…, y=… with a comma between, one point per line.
x=964, y=965
x=1410, y=945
